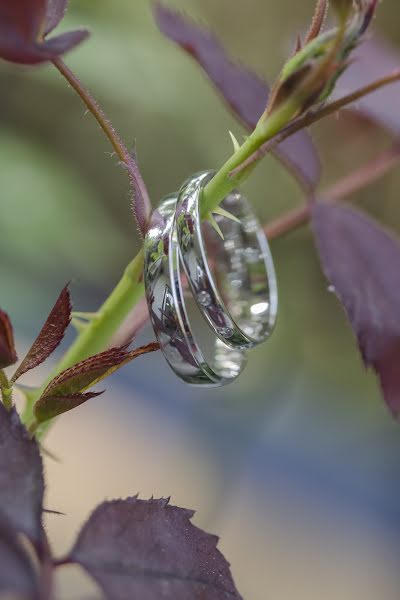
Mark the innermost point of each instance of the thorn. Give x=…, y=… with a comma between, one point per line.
x=85, y=316
x=51, y=455
x=224, y=213
x=236, y=145
x=215, y=226
x=298, y=46
x=78, y=324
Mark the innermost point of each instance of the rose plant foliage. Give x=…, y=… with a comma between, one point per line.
x=149, y=549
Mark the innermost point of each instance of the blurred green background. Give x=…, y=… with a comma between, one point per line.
x=296, y=465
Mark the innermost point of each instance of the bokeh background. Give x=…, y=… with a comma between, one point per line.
x=295, y=466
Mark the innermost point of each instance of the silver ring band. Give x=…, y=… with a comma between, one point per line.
x=242, y=307
x=168, y=310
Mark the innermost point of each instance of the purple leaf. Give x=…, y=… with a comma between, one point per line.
x=368, y=9
x=7, y=348
x=374, y=59
x=17, y=575
x=61, y=44
x=22, y=24
x=50, y=336
x=150, y=550
x=21, y=477
x=56, y=10
x=245, y=93
x=361, y=261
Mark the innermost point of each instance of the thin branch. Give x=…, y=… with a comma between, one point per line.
x=339, y=192
x=312, y=117
x=142, y=205
x=95, y=109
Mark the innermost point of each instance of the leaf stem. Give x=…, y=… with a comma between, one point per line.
x=357, y=180
x=6, y=390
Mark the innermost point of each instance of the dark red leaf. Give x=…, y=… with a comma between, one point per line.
x=56, y=10
x=21, y=477
x=86, y=373
x=362, y=262
x=245, y=93
x=18, y=580
x=50, y=336
x=51, y=406
x=150, y=550
x=64, y=392
x=8, y=355
x=23, y=24
x=372, y=60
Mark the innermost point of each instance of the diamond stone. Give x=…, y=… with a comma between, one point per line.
x=204, y=298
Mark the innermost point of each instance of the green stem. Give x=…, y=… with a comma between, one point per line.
x=6, y=390
x=223, y=182
x=99, y=331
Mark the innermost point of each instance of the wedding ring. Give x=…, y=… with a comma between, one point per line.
x=163, y=277
x=240, y=301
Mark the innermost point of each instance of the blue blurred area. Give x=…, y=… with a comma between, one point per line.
x=304, y=433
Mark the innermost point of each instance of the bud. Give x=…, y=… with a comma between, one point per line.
x=8, y=355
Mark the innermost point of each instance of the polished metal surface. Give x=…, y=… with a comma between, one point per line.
x=174, y=329
x=240, y=300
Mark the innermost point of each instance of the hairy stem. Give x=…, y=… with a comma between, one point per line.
x=95, y=109
x=142, y=204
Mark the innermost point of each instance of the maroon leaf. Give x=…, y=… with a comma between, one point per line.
x=361, y=261
x=59, y=45
x=56, y=10
x=150, y=550
x=245, y=93
x=22, y=26
x=49, y=407
x=64, y=392
x=17, y=575
x=21, y=477
x=50, y=336
x=8, y=355
x=374, y=59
